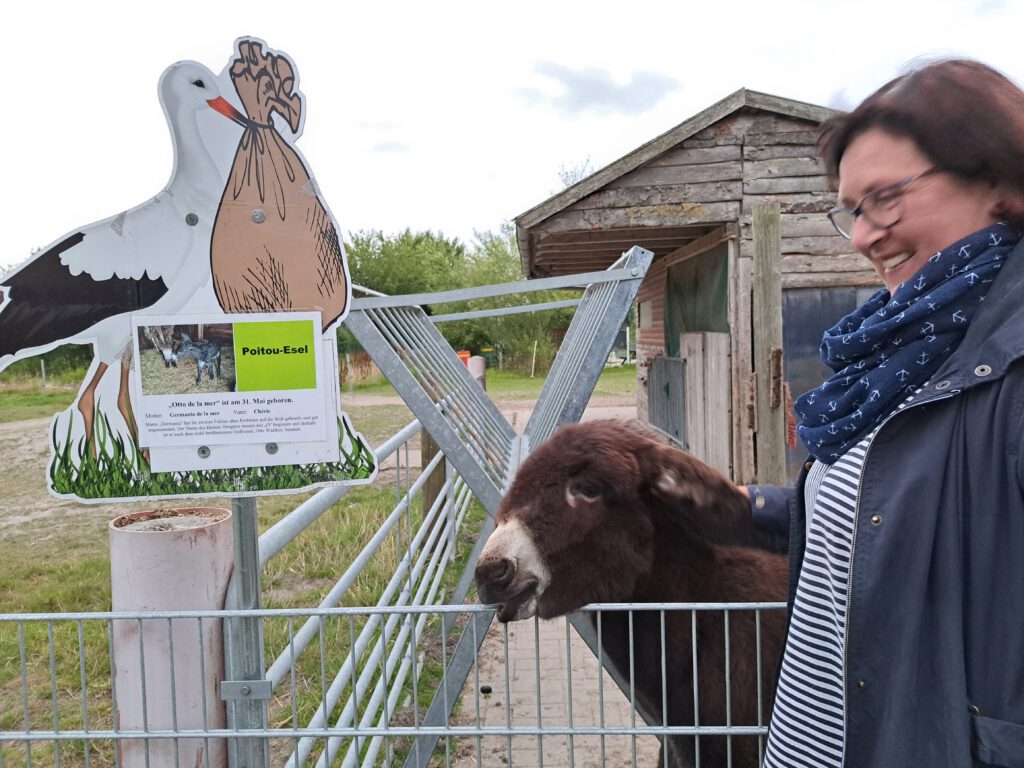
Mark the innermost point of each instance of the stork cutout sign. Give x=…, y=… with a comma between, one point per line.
x=211, y=309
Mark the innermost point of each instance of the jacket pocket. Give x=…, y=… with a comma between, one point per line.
x=998, y=742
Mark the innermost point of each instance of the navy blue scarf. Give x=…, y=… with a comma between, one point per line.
x=887, y=348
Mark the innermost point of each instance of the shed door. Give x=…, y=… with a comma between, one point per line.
x=707, y=398
x=697, y=332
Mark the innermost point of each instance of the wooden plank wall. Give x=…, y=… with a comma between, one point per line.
x=718, y=176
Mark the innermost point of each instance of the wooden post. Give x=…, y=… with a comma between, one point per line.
x=435, y=483
x=770, y=405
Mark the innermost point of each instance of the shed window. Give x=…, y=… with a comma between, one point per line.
x=697, y=296
x=645, y=312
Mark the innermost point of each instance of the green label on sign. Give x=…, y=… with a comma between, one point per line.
x=275, y=355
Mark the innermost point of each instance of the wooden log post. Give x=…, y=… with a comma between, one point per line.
x=770, y=401
x=435, y=483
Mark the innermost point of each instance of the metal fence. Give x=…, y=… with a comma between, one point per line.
x=535, y=695
x=419, y=678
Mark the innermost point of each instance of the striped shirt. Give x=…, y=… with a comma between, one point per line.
x=808, y=721
x=808, y=727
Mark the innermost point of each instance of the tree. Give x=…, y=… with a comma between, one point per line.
x=409, y=262
x=405, y=263
x=574, y=172
x=495, y=259
x=424, y=262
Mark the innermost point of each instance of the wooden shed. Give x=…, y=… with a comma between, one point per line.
x=748, y=272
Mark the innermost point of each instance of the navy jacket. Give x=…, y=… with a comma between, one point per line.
x=935, y=634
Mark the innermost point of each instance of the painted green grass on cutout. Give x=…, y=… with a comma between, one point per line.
x=104, y=465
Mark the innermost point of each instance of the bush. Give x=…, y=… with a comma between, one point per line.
x=66, y=366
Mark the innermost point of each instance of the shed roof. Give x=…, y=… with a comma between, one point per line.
x=602, y=246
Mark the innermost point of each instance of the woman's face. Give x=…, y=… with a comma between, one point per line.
x=937, y=210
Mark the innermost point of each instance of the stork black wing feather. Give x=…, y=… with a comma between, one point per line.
x=48, y=303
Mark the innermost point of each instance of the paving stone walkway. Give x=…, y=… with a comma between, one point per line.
x=540, y=674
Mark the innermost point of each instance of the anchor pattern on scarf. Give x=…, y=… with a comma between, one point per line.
x=891, y=345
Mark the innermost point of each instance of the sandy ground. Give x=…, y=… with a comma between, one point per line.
x=24, y=457
x=25, y=454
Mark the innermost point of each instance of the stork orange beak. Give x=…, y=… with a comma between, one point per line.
x=222, y=105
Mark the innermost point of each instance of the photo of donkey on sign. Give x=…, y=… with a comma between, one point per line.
x=183, y=359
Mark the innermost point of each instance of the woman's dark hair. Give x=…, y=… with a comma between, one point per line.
x=966, y=117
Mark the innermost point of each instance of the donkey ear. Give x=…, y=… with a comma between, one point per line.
x=676, y=476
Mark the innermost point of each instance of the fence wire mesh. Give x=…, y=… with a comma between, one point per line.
x=534, y=696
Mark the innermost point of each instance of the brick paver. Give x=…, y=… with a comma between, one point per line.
x=565, y=690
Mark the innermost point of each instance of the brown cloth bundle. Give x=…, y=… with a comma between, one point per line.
x=275, y=248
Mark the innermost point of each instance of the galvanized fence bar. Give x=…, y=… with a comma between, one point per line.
x=424, y=408
x=432, y=354
x=613, y=274
x=346, y=672
x=366, y=732
x=449, y=382
x=243, y=643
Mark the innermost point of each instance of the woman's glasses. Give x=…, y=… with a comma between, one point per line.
x=882, y=208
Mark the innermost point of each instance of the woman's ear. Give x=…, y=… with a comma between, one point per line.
x=1007, y=205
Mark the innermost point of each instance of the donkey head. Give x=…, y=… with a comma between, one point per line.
x=588, y=513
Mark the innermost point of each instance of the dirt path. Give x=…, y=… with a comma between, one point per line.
x=24, y=456
x=596, y=403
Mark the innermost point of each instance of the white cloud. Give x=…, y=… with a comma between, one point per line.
x=594, y=90
x=416, y=113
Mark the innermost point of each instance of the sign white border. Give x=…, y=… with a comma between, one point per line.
x=227, y=442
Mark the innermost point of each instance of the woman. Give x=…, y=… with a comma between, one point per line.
x=906, y=527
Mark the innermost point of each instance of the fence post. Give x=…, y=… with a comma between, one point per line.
x=244, y=686
x=435, y=482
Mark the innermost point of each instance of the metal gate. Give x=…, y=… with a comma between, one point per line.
x=666, y=397
x=383, y=684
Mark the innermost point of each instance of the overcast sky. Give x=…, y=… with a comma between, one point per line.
x=447, y=116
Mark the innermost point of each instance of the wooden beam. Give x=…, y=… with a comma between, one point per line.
x=621, y=234
x=643, y=216
x=787, y=184
x=701, y=244
x=660, y=194
x=730, y=170
x=744, y=469
x=831, y=280
x=770, y=439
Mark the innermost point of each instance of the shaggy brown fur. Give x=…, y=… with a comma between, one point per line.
x=615, y=515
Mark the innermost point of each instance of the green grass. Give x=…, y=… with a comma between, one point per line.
x=20, y=403
x=33, y=403
x=614, y=381
x=107, y=466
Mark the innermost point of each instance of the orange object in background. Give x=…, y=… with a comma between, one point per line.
x=464, y=355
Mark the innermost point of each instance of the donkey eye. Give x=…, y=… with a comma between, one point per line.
x=588, y=490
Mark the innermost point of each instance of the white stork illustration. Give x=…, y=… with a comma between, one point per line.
x=82, y=288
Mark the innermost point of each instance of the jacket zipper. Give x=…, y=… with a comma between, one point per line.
x=853, y=545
